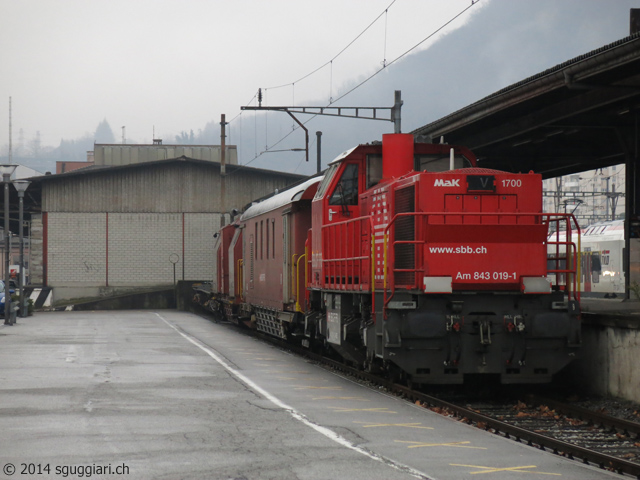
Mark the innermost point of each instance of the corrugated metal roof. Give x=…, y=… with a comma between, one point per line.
x=182, y=186
x=124, y=154
x=98, y=169
x=592, y=57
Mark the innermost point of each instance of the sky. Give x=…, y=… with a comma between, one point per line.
x=162, y=67
x=174, y=65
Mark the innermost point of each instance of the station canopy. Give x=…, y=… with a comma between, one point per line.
x=580, y=115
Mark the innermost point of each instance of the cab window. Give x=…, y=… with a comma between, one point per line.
x=325, y=181
x=374, y=169
x=346, y=191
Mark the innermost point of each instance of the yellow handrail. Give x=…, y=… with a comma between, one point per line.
x=306, y=266
x=579, y=261
x=298, y=308
x=293, y=275
x=240, y=265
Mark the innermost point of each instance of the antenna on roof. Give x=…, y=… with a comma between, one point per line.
x=154, y=140
x=10, y=145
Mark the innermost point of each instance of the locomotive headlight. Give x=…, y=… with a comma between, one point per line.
x=438, y=284
x=536, y=285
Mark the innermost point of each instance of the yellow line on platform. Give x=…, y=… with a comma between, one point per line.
x=381, y=409
x=341, y=398
x=302, y=387
x=452, y=444
x=407, y=425
x=508, y=469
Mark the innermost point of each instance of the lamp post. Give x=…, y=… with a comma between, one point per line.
x=21, y=186
x=7, y=171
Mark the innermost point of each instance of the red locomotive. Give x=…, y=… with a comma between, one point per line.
x=408, y=258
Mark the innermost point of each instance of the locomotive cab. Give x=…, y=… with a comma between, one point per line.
x=427, y=265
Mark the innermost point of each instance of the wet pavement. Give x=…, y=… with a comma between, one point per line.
x=171, y=395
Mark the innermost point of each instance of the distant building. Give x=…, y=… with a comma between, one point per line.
x=64, y=167
x=105, y=154
x=592, y=196
x=105, y=229
x=123, y=154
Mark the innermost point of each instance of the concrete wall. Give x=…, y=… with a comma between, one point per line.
x=76, y=253
x=128, y=249
x=162, y=299
x=36, y=261
x=608, y=364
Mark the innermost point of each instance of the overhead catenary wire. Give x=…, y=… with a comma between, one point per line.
x=462, y=12
x=384, y=53
x=303, y=157
x=330, y=63
x=385, y=65
x=246, y=103
x=335, y=56
x=238, y=116
x=330, y=84
x=267, y=150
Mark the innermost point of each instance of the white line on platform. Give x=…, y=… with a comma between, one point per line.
x=293, y=412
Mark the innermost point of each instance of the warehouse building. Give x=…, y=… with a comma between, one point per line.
x=110, y=229
x=126, y=154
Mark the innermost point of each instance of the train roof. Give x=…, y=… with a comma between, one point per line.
x=293, y=194
x=597, y=232
x=606, y=228
x=343, y=155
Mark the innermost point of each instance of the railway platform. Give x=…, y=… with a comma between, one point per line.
x=607, y=363
x=610, y=307
x=171, y=395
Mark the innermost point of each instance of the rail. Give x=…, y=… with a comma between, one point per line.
x=623, y=426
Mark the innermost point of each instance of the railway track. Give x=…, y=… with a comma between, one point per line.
x=578, y=434
x=573, y=432
x=578, y=427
